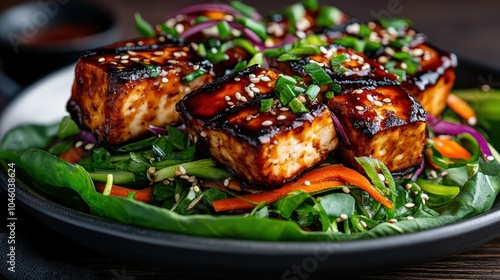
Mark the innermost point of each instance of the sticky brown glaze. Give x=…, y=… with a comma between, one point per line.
x=434, y=77
x=121, y=89
x=382, y=123
x=266, y=149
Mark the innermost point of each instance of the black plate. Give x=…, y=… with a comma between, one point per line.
x=251, y=259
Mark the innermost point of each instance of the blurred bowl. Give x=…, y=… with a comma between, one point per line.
x=39, y=37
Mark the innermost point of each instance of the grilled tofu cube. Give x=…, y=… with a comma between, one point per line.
x=265, y=148
x=425, y=71
x=385, y=123
x=121, y=89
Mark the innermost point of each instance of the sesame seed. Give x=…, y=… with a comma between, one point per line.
x=378, y=103
x=89, y=146
x=203, y=134
x=490, y=158
x=177, y=197
x=284, y=109
x=267, y=123
x=125, y=61
x=151, y=170
x=255, y=80
x=307, y=183
x=226, y=182
x=158, y=53
x=181, y=169
x=191, y=179
x=370, y=97
x=237, y=79
x=339, y=220
x=237, y=95
x=281, y=117
x=102, y=59
x=383, y=59
x=358, y=91
x=424, y=197
x=344, y=216
x=360, y=108
x=409, y=205
x=346, y=189
x=433, y=174
x=251, y=94
x=485, y=87
x=472, y=121
x=365, y=66
x=185, y=177
x=404, y=66
x=243, y=99
x=265, y=79
x=164, y=80
x=255, y=89
x=179, y=28
x=410, y=218
x=78, y=144
x=230, y=103
x=172, y=61
x=136, y=59
x=117, y=57
x=417, y=52
x=393, y=221
x=381, y=176
x=387, y=100
x=363, y=223
x=227, y=98
x=408, y=187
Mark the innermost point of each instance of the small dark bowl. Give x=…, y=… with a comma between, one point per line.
x=39, y=37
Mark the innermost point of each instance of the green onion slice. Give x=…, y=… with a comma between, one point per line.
x=318, y=74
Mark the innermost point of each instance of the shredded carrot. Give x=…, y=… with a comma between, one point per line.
x=461, y=108
x=319, y=179
x=143, y=195
x=73, y=154
x=448, y=148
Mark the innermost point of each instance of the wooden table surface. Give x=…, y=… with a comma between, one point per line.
x=469, y=28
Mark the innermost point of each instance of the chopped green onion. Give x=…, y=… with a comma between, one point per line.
x=337, y=63
x=200, y=19
x=169, y=30
x=317, y=73
x=143, y=27
x=311, y=5
x=335, y=88
x=351, y=42
x=239, y=66
x=153, y=70
x=430, y=187
x=313, y=39
x=109, y=185
x=294, y=14
x=275, y=52
x=397, y=23
x=329, y=95
x=372, y=46
x=296, y=106
x=224, y=29
x=246, y=45
x=266, y=105
x=411, y=66
x=364, y=30
x=400, y=73
x=284, y=80
x=328, y=17
x=257, y=27
x=305, y=50
x=402, y=55
x=288, y=57
x=202, y=50
x=258, y=58
x=193, y=75
x=286, y=94
x=312, y=91
x=243, y=8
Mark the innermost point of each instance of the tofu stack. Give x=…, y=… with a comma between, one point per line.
x=121, y=89
x=425, y=71
x=266, y=147
x=374, y=114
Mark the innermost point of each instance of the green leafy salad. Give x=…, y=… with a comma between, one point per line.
x=166, y=182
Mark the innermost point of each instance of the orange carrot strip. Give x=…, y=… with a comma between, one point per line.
x=461, y=108
x=313, y=181
x=143, y=195
x=73, y=154
x=450, y=148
